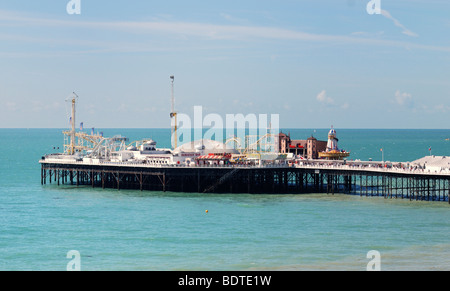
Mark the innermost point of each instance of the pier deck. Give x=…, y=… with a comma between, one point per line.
x=295, y=179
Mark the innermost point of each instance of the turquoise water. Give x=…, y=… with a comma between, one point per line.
x=133, y=230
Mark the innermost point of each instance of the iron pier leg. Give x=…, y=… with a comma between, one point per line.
x=198, y=180
x=164, y=182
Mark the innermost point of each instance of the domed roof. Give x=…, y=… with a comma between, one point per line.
x=150, y=142
x=207, y=145
x=332, y=132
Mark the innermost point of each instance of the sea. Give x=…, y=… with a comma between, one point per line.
x=47, y=227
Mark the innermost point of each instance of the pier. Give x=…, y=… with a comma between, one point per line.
x=313, y=177
x=268, y=163
x=271, y=163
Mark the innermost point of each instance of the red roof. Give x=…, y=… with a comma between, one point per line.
x=211, y=157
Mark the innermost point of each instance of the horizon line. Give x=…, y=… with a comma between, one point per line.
x=281, y=128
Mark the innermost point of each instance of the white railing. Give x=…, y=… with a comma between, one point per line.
x=309, y=165
x=402, y=170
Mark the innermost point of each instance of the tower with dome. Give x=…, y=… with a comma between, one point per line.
x=332, y=151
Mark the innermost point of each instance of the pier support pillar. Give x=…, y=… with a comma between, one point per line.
x=198, y=181
x=164, y=182
x=249, y=181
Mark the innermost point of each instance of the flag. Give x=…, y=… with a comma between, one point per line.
x=429, y=149
x=381, y=150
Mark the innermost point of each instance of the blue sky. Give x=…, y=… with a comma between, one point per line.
x=315, y=63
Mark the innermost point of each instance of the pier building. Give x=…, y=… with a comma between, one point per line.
x=433, y=164
x=306, y=149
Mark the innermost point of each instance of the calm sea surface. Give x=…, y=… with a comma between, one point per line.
x=133, y=230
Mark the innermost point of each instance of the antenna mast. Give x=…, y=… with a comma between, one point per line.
x=72, y=135
x=173, y=115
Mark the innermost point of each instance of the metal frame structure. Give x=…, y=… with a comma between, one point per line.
x=253, y=180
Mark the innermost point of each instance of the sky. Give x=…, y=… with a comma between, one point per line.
x=315, y=63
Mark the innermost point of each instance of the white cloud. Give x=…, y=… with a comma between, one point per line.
x=323, y=98
x=442, y=108
x=231, y=18
x=398, y=24
x=42, y=106
x=210, y=31
x=403, y=99
x=11, y=106
x=329, y=102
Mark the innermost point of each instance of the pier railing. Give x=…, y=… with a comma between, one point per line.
x=413, y=170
